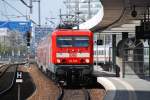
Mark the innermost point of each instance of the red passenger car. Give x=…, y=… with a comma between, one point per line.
x=67, y=55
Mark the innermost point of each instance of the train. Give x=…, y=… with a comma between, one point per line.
x=66, y=55
x=102, y=54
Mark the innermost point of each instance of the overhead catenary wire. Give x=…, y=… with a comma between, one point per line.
x=2, y=12
x=4, y=15
x=5, y=8
x=19, y=11
x=29, y=6
x=14, y=8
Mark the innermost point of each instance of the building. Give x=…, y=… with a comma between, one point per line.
x=41, y=32
x=3, y=35
x=86, y=8
x=11, y=43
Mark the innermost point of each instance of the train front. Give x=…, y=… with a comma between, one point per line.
x=73, y=55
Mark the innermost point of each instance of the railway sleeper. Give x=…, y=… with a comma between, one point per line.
x=80, y=79
x=71, y=78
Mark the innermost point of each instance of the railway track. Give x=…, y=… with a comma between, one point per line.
x=61, y=92
x=46, y=89
x=73, y=94
x=81, y=94
x=96, y=92
x=7, y=77
x=3, y=69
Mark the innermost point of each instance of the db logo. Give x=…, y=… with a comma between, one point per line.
x=73, y=55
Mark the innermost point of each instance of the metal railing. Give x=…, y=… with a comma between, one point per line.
x=136, y=62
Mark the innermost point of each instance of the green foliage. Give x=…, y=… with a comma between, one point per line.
x=7, y=48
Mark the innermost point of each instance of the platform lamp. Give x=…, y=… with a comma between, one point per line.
x=134, y=12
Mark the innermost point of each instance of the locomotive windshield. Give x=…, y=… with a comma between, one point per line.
x=75, y=41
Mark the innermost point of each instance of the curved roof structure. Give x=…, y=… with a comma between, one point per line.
x=114, y=13
x=94, y=20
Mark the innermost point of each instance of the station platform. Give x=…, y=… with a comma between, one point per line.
x=125, y=89
x=103, y=74
x=117, y=88
x=99, y=72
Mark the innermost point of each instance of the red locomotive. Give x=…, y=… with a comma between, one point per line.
x=67, y=55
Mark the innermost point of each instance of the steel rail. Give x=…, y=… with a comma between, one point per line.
x=12, y=82
x=60, y=96
x=3, y=69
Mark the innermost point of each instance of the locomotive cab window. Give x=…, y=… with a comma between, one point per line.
x=74, y=41
x=81, y=41
x=64, y=41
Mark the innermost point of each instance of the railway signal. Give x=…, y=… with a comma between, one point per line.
x=28, y=38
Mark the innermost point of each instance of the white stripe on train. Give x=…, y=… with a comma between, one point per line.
x=66, y=55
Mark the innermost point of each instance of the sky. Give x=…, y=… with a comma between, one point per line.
x=49, y=9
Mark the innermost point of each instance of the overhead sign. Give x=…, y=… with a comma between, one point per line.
x=21, y=26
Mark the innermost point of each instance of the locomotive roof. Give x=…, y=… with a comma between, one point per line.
x=71, y=31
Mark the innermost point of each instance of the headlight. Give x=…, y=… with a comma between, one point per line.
x=87, y=60
x=58, y=60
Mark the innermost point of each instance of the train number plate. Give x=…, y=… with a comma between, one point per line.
x=72, y=55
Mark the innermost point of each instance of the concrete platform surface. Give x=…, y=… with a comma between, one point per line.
x=99, y=72
x=125, y=89
x=103, y=74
